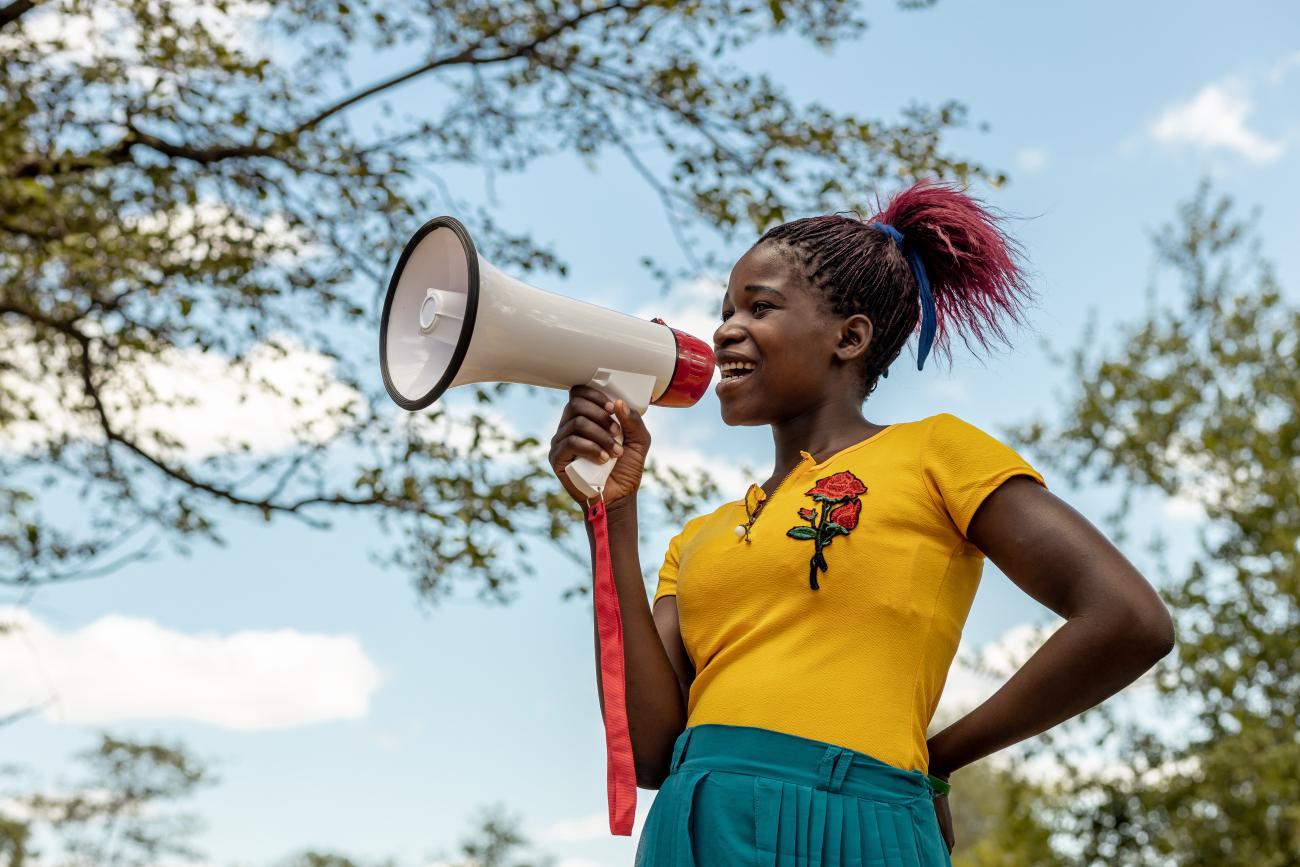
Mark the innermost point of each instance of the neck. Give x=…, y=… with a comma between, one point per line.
x=822, y=430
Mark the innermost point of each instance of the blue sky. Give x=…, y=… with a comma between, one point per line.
x=1105, y=115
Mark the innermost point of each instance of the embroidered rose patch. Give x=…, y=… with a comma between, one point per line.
x=840, y=508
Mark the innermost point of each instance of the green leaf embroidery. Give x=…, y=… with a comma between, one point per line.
x=801, y=533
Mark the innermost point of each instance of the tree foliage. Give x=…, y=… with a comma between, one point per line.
x=1000, y=819
x=125, y=813
x=120, y=815
x=1200, y=402
x=198, y=185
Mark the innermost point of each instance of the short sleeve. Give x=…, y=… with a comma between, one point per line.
x=963, y=465
x=672, y=561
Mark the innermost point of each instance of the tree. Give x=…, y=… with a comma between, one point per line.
x=198, y=185
x=117, y=816
x=1200, y=401
x=999, y=819
x=495, y=840
x=123, y=815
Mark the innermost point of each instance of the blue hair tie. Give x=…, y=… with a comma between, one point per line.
x=929, y=318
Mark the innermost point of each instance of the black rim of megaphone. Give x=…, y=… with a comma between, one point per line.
x=467, y=326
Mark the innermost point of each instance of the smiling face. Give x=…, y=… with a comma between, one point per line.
x=793, y=353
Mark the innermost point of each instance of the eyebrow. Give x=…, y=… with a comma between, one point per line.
x=758, y=287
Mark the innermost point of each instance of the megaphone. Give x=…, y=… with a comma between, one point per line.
x=450, y=318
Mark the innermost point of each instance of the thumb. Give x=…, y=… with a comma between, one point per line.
x=634, y=429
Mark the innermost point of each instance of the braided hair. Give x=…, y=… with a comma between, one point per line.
x=974, y=269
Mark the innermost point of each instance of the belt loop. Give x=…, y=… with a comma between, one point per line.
x=679, y=749
x=842, y=765
x=834, y=765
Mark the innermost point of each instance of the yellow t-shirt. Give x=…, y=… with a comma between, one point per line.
x=860, y=661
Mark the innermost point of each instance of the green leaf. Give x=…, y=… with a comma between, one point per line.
x=801, y=533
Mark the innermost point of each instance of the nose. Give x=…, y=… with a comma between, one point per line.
x=727, y=333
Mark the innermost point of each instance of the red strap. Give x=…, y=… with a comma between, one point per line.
x=620, y=771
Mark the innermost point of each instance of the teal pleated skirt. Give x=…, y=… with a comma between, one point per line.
x=738, y=796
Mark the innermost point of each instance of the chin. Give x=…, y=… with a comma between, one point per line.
x=735, y=416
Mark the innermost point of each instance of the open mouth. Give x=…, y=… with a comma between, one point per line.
x=734, y=371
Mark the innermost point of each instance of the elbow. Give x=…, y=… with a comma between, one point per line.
x=651, y=778
x=1153, y=629
x=653, y=762
x=1164, y=635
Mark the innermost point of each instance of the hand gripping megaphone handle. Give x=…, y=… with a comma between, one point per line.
x=634, y=389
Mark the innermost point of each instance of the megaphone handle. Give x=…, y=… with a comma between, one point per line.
x=634, y=389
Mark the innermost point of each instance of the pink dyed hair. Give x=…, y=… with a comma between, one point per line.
x=974, y=268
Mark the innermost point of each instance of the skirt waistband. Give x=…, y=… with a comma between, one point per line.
x=766, y=753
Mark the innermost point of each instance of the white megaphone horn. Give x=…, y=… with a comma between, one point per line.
x=451, y=319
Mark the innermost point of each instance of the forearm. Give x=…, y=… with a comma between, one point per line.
x=1090, y=658
x=655, y=710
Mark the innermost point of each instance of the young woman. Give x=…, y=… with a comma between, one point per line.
x=780, y=684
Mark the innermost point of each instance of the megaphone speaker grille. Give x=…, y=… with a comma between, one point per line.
x=428, y=318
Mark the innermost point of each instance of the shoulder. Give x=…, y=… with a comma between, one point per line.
x=947, y=429
x=956, y=451
x=945, y=421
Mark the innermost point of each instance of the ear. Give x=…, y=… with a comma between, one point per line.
x=855, y=336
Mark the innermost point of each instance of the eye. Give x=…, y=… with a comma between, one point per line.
x=757, y=304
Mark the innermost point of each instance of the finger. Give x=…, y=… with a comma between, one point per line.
x=591, y=393
x=585, y=427
x=632, y=425
x=581, y=407
x=580, y=422
x=592, y=409
x=577, y=446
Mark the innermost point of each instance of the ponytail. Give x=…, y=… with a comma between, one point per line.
x=934, y=258
x=973, y=265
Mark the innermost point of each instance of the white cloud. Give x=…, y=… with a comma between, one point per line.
x=1216, y=119
x=192, y=229
x=452, y=425
x=1283, y=68
x=576, y=830
x=592, y=827
x=283, y=393
x=1031, y=159
x=729, y=475
x=128, y=668
x=1182, y=508
x=693, y=306
x=1202, y=481
x=102, y=31
x=977, y=674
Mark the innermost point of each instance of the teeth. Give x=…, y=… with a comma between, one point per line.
x=732, y=369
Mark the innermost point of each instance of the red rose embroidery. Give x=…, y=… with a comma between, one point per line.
x=840, y=486
x=840, y=509
x=847, y=515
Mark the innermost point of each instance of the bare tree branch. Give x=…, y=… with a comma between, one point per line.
x=15, y=10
